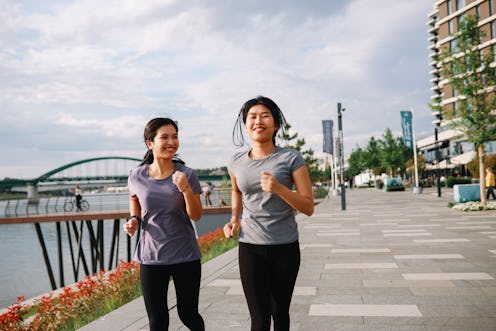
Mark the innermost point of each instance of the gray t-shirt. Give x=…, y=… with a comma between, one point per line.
x=266, y=218
x=168, y=236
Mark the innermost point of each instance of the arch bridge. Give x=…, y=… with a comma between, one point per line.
x=86, y=173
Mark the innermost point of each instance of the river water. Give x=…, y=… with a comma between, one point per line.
x=22, y=268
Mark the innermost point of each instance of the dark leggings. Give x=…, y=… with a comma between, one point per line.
x=155, y=284
x=268, y=274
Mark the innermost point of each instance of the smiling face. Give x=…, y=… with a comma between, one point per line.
x=165, y=143
x=260, y=124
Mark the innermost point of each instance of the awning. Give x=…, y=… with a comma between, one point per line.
x=455, y=161
x=463, y=158
x=442, y=165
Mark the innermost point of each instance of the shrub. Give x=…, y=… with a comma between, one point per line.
x=451, y=181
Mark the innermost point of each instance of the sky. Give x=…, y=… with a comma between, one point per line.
x=80, y=79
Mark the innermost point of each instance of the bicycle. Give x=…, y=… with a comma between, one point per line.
x=70, y=204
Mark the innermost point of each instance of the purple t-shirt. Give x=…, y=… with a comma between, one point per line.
x=168, y=236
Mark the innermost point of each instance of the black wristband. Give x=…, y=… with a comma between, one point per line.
x=134, y=216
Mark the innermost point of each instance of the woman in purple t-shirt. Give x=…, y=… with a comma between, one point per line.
x=164, y=198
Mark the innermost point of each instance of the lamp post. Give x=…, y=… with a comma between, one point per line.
x=341, y=154
x=438, y=179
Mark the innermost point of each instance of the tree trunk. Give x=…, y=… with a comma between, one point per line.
x=482, y=181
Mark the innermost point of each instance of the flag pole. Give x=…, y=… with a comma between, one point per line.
x=415, y=153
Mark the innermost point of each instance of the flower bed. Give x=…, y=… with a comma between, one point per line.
x=94, y=296
x=474, y=206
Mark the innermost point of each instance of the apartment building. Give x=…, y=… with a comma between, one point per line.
x=449, y=152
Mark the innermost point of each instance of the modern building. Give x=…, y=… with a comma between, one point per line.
x=446, y=151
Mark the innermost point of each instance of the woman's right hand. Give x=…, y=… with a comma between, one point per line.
x=231, y=228
x=131, y=226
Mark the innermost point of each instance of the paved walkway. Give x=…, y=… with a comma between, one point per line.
x=391, y=261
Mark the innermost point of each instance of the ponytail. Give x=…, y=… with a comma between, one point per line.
x=148, y=158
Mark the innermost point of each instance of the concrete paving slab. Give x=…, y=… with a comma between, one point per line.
x=390, y=261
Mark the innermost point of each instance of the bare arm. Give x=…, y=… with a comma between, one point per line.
x=302, y=199
x=193, y=204
x=236, y=207
x=192, y=200
x=131, y=226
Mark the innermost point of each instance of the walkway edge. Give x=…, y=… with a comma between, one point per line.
x=132, y=316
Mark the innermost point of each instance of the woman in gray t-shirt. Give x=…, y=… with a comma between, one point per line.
x=164, y=197
x=262, y=181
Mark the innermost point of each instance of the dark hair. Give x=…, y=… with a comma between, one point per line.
x=280, y=121
x=150, y=132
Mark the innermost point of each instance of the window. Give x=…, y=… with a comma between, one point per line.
x=493, y=29
x=491, y=7
x=460, y=4
x=451, y=27
x=478, y=11
x=452, y=45
x=490, y=147
x=449, y=8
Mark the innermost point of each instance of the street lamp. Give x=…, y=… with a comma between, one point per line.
x=438, y=179
x=341, y=155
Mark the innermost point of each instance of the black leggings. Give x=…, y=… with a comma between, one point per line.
x=155, y=284
x=268, y=274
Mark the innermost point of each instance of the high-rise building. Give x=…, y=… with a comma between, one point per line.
x=446, y=150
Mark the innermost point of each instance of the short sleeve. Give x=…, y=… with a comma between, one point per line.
x=296, y=160
x=130, y=185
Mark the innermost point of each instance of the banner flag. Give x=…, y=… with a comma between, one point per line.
x=327, y=129
x=406, y=126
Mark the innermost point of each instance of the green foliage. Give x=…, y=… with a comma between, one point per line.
x=388, y=153
x=451, y=181
x=357, y=161
x=319, y=192
x=393, y=153
x=308, y=154
x=489, y=162
x=395, y=188
x=372, y=157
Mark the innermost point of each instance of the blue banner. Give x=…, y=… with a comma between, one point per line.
x=406, y=126
x=327, y=129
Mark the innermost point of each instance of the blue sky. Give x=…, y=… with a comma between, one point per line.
x=80, y=79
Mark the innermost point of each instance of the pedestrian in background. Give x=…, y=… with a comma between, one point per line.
x=164, y=196
x=262, y=179
x=490, y=183
x=207, y=191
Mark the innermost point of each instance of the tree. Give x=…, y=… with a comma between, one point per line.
x=410, y=165
x=373, y=161
x=308, y=154
x=357, y=161
x=469, y=72
x=393, y=153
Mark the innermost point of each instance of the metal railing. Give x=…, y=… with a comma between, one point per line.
x=97, y=202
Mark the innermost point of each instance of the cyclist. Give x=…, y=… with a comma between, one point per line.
x=79, y=197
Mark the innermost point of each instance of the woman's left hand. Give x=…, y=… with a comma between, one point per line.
x=180, y=180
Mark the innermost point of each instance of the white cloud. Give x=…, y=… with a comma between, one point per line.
x=100, y=70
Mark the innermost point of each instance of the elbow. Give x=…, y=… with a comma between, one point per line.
x=196, y=216
x=309, y=211
x=309, y=208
